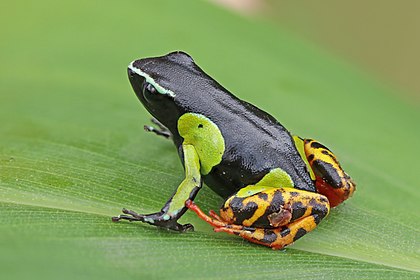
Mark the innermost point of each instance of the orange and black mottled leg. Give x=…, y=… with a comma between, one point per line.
x=274, y=217
x=331, y=180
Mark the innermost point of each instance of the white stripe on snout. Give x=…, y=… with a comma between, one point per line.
x=151, y=81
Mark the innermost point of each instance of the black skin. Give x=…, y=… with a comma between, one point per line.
x=255, y=142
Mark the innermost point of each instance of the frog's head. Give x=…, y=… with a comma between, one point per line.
x=168, y=85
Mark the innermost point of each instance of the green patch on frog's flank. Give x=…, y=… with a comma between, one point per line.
x=192, y=180
x=73, y=150
x=276, y=178
x=206, y=138
x=300, y=147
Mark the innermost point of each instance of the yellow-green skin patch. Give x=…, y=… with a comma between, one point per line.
x=192, y=180
x=200, y=132
x=300, y=146
x=276, y=178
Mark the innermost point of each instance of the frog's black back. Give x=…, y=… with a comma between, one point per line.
x=255, y=142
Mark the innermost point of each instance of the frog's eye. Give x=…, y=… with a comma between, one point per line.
x=150, y=93
x=150, y=88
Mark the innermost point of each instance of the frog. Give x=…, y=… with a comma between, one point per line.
x=276, y=186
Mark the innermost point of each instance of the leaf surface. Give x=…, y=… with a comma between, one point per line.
x=73, y=151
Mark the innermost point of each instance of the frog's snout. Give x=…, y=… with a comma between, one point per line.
x=130, y=72
x=137, y=81
x=133, y=75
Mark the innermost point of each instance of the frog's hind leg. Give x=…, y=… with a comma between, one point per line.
x=275, y=238
x=274, y=217
x=214, y=220
x=161, y=130
x=331, y=180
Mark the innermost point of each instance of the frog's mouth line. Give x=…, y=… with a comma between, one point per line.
x=150, y=80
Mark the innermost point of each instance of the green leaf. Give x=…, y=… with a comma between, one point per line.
x=73, y=151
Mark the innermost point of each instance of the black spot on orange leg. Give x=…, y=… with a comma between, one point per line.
x=277, y=238
x=263, y=196
x=331, y=180
x=242, y=209
x=308, y=209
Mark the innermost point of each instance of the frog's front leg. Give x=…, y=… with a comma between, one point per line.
x=175, y=207
x=274, y=217
x=161, y=130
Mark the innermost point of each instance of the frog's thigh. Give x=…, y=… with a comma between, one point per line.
x=274, y=217
x=276, y=238
x=273, y=207
x=256, y=204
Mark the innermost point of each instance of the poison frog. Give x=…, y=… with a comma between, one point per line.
x=277, y=186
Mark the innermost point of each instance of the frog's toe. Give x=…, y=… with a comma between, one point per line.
x=161, y=130
x=124, y=217
x=130, y=216
x=215, y=216
x=186, y=227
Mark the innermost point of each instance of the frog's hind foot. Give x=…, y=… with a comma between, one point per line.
x=275, y=238
x=215, y=216
x=161, y=130
x=256, y=235
x=331, y=180
x=214, y=220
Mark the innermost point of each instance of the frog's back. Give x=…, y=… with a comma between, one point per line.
x=255, y=143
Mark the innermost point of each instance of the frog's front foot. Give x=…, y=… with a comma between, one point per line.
x=159, y=219
x=161, y=130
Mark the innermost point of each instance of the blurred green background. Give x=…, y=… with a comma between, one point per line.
x=381, y=37
x=73, y=153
